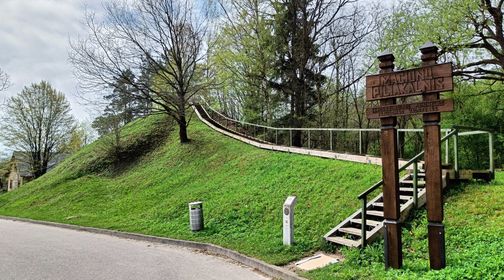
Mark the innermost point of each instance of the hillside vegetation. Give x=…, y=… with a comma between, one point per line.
x=474, y=221
x=147, y=189
x=243, y=189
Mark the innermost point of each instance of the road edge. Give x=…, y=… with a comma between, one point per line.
x=268, y=269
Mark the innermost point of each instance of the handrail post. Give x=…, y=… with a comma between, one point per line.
x=363, y=222
x=455, y=154
x=276, y=136
x=447, y=148
x=491, y=152
x=290, y=138
x=309, y=140
x=415, y=184
x=265, y=134
x=330, y=140
x=360, y=142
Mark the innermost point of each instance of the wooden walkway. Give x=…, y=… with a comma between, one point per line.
x=204, y=117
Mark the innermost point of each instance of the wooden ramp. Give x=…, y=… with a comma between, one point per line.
x=205, y=117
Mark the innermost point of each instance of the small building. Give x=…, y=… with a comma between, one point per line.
x=20, y=170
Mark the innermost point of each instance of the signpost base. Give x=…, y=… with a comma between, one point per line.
x=393, y=244
x=437, y=245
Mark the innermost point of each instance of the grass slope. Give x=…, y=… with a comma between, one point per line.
x=243, y=189
x=474, y=221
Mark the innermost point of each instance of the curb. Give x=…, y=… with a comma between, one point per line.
x=268, y=269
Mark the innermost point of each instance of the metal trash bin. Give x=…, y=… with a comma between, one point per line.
x=196, y=215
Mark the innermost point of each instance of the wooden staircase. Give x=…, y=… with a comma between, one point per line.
x=349, y=232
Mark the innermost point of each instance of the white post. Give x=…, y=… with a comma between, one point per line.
x=288, y=220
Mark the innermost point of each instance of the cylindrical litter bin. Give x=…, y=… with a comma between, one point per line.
x=196, y=215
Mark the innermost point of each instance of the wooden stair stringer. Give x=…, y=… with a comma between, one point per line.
x=355, y=215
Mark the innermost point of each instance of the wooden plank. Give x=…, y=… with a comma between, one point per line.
x=370, y=223
x=350, y=230
x=416, y=81
x=374, y=213
x=410, y=182
x=442, y=105
x=344, y=241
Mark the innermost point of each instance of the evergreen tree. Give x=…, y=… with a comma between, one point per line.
x=297, y=58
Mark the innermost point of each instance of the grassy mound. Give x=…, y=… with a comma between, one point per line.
x=474, y=221
x=243, y=189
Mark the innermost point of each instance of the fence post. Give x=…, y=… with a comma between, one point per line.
x=447, y=148
x=455, y=154
x=290, y=137
x=360, y=142
x=276, y=136
x=309, y=140
x=330, y=140
x=491, y=152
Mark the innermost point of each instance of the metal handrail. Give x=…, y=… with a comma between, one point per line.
x=313, y=128
x=405, y=166
x=453, y=132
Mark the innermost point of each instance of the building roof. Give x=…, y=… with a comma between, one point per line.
x=24, y=163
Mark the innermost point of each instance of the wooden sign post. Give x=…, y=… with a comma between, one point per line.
x=428, y=81
x=390, y=166
x=433, y=182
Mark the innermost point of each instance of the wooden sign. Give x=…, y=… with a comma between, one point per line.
x=427, y=79
x=436, y=106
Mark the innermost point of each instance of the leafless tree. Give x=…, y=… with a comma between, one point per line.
x=38, y=121
x=487, y=24
x=4, y=80
x=161, y=37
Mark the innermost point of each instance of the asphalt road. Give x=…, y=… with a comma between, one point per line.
x=29, y=251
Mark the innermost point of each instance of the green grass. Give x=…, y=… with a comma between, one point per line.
x=474, y=221
x=243, y=189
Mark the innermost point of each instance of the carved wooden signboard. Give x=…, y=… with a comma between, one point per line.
x=428, y=81
x=435, y=78
x=436, y=106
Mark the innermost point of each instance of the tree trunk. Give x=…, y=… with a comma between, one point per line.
x=181, y=120
x=183, y=131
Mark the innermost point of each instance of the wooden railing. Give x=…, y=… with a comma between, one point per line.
x=454, y=133
x=276, y=135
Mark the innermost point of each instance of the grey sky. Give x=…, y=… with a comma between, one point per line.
x=34, y=43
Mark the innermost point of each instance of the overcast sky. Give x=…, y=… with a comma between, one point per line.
x=34, y=44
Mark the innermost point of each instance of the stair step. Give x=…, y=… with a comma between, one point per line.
x=410, y=189
x=350, y=230
x=410, y=182
x=374, y=213
x=344, y=241
x=405, y=197
x=379, y=204
x=368, y=222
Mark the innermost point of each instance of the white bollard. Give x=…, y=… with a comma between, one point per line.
x=288, y=220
